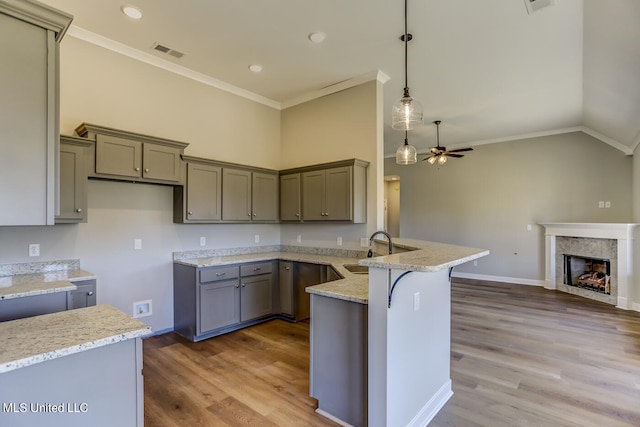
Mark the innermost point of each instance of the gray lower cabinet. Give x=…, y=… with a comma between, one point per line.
x=286, y=296
x=210, y=301
x=85, y=295
x=35, y=305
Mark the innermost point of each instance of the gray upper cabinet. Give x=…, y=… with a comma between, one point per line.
x=290, y=207
x=123, y=155
x=73, y=179
x=329, y=192
x=29, y=123
x=249, y=195
x=200, y=199
x=236, y=195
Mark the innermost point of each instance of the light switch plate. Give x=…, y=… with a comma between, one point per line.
x=137, y=244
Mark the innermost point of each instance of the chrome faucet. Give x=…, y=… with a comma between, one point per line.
x=370, y=253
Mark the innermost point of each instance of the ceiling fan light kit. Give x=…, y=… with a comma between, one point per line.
x=441, y=154
x=407, y=112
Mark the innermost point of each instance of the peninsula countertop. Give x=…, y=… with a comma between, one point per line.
x=37, y=339
x=24, y=285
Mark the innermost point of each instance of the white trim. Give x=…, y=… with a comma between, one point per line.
x=332, y=418
x=347, y=84
x=98, y=40
x=148, y=58
x=502, y=279
x=635, y=306
x=432, y=407
x=610, y=141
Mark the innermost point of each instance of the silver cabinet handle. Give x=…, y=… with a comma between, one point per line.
x=220, y=274
x=146, y=170
x=237, y=286
x=90, y=294
x=190, y=213
x=254, y=214
x=249, y=214
x=244, y=285
x=137, y=169
x=79, y=210
x=297, y=214
x=257, y=269
x=287, y=268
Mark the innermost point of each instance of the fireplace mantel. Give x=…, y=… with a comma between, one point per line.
x=628, y=254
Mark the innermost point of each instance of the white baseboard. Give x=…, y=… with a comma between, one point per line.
x=516, y=280
x=332, y=418
x=432, y=407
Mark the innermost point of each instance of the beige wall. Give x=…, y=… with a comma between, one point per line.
x=392, y=196
x=636, y=186
x=102, y=87
x=487, y=198
x=340, y=126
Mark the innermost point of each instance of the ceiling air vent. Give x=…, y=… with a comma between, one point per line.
x=164, y=49
x=536, y=5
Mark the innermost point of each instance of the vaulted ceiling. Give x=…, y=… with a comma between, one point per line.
x=488, y=69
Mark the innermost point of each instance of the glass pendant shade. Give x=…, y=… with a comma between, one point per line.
x=442, y=159
x=432, y=160
x=406, y=113
x=406, y=154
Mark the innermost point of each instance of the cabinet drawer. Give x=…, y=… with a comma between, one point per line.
x=218, y=273
x=256, y=268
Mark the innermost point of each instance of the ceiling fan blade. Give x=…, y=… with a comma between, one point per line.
x=460, y=150
x=454, y=155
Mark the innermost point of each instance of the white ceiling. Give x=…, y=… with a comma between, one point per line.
x=487, y=69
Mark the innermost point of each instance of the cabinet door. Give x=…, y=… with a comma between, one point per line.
x=27, y=149
x=338, y=198
x=85, y=295
x=290, y=197
x=118, y=156
x=256, y=296
x=313, y=188
x=160, y=162
x=236, y=195
x=286, y=288
x=203, y=188
x=264, y=198
x=219, y=305
x=73, y=184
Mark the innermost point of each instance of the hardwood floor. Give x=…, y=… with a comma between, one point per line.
x=521, y=356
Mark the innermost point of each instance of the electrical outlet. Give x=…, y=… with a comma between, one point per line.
x=203, y=241
x=299, y=238
x=364, y=242
x=142, y=308
x=529, y=228
x=416, y=301
x=475, y=263
x=601, y=204
x=607, y=204
x=256, y=238
x=34, y=249
x=137, y=244
x=339, y=241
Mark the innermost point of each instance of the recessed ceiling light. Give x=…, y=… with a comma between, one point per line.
x=255, y=68
x=132, y=12
x=317, y=37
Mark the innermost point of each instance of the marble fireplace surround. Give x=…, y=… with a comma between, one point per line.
x=618, y=242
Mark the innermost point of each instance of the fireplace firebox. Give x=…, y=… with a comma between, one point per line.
x=588, y=273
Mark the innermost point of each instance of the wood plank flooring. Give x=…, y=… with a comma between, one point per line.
x=521, y=356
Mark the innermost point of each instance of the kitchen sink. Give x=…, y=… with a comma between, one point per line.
x=357, y=268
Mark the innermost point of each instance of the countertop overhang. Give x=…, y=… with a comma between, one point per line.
x=24, y=285
x=37, y=339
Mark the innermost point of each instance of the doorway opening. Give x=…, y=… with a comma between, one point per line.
x=392, y=205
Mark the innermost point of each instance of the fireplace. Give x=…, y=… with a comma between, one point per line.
x=595, y=250
x=593, y=274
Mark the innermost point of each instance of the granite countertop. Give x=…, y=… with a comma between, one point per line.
x=37, y=339
x=424, y=256
x=24, y=285
x=353, y=287
x=420, y=255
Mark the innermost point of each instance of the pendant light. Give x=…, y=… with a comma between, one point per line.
x=407, y=112
x=406, y=154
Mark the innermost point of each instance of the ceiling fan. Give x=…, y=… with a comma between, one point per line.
x=439, y=154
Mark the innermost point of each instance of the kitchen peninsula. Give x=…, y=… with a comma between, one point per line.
x=382, y=358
